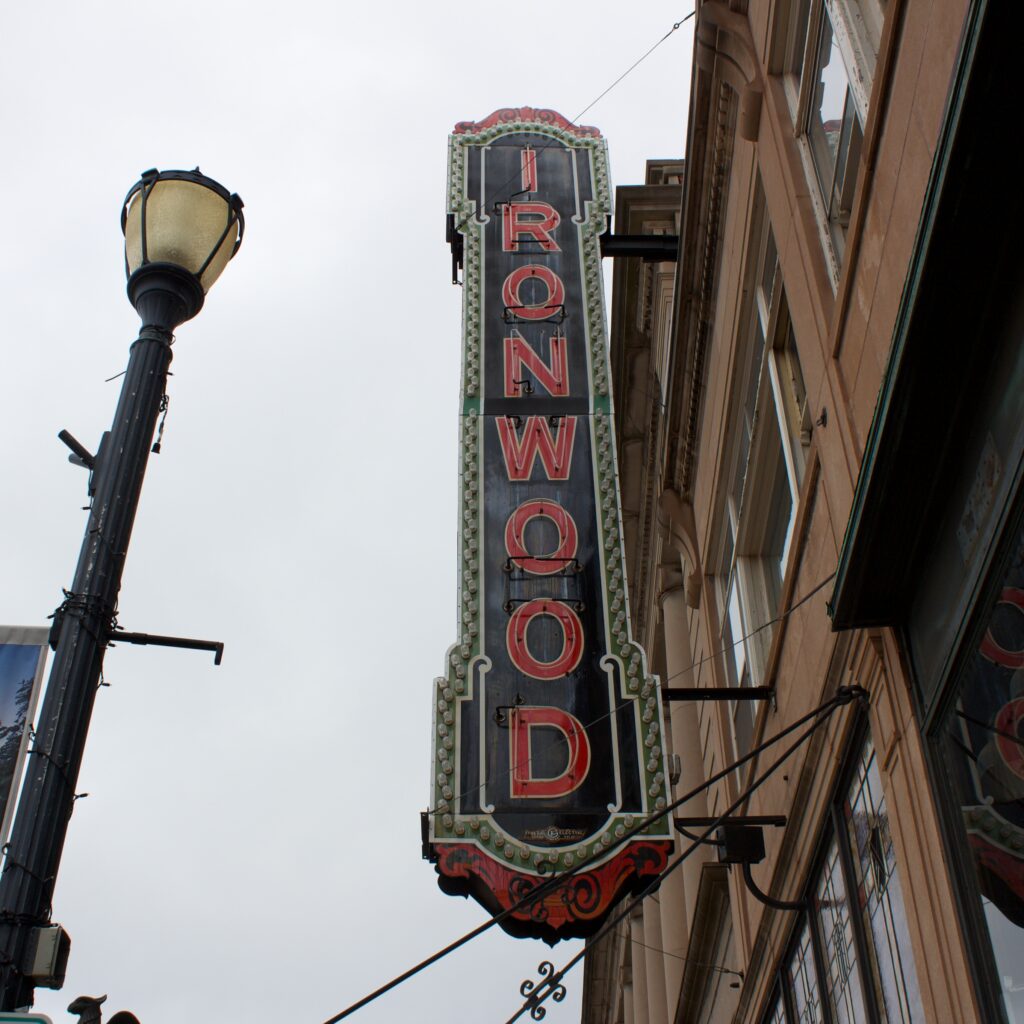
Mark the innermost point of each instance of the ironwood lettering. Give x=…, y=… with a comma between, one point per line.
x=520, y=452
x=556, y=561
x=525, y=783
x=548, y=296
x=553, y=375
x=536, y=220
x=547, y=726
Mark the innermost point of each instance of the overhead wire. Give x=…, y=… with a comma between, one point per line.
x=843, y=696
x=500, y=190
x=637, y=63
x=685, y=959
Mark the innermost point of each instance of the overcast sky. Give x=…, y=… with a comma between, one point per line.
x=250, y=850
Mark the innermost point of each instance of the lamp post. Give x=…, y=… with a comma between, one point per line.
x=181, y=229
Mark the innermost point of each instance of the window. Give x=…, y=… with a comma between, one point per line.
x=833, y=132
x=777, y=1012
x=839, y=947
x=878, y=888
x=850, y=958
x=765, y=457
x=802, y=977
x=825, y=50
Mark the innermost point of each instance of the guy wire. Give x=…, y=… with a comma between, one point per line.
x=843, y=696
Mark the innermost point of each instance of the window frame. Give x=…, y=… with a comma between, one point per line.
x=856, y=32
x=761, y=409
x=835, y=178
x=834, y=830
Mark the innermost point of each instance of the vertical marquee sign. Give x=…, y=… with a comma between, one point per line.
x=548, y=729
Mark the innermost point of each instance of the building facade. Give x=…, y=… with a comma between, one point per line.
x=820, y=435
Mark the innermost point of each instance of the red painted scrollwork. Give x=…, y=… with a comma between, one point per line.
x=509, y=114
x=573, y=909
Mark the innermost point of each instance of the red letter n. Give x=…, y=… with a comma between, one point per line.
x=554, y=378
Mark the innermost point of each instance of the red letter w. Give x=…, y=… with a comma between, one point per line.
x=520, y=453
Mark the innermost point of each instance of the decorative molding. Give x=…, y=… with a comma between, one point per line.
x=683, y=529
x=701, y=238
x=730, y=52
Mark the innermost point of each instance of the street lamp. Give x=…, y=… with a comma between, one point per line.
x=181, y=229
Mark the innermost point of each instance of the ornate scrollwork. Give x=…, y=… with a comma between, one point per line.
x=509, y=115
x=537, y=993
x=573, y=909
x=519, y=887
x=583, y=895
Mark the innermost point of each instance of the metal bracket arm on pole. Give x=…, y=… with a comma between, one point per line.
x=769, y=901
x=651, y=248
x=717, y=693
x=772, y=820
x=48, y=793
x=121, y=636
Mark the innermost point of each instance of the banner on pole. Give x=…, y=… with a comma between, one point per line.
x=22, y=659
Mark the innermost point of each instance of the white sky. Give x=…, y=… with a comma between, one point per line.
x=250, y=848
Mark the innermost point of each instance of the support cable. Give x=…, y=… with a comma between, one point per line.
x=502, y=189
x=843, y=696
x=552, y=982
x=635, y=64
x=686, y=959
x=764, y=625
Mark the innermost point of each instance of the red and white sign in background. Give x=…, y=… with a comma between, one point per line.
x=547, y=726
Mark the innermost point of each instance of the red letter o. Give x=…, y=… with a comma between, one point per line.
x=515, y=542
x=539, y=310
x=572, y=639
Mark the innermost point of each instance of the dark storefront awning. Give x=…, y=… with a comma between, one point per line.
x=955, y=302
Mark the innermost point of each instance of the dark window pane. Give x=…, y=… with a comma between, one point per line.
x=988, y=456
x=769, y=266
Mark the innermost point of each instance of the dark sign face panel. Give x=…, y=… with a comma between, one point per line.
x=547, y=726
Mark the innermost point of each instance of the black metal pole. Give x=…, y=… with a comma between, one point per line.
x=84, y=625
